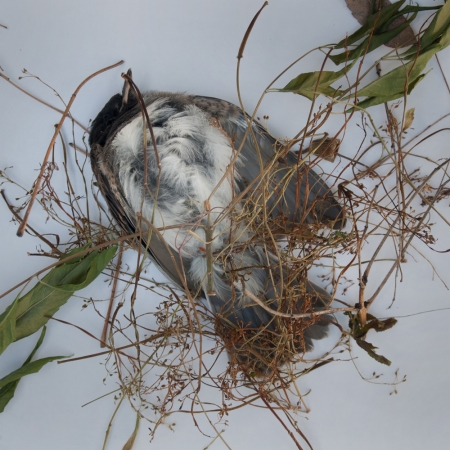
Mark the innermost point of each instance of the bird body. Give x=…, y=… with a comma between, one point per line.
x=186, y=194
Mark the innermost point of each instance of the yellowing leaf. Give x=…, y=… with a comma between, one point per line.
x=409, y=118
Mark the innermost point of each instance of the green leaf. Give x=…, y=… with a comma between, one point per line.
x=438, y=32
x=309, y=84
x=369, y=348
x=376, y=20
x=438, y=25
x=349, y=56
x=55, y=289
x=28, y=369
x=77, y=278
x=412, y=9
x=394, y=81
x=8, y=326
x=414, y=83
x=391, y=86
x=7, y=391
x=444, y=40
x=372, y=101
x=371, y=43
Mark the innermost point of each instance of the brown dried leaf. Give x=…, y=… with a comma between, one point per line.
x=370, y=349
x=362, y=9
x=325, y=148
x=373, y=324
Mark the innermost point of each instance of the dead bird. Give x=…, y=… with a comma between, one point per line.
x=189, y=195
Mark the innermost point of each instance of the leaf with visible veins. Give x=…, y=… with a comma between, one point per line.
x=362, y=9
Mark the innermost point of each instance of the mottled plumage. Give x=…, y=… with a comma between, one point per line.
x=200, y=175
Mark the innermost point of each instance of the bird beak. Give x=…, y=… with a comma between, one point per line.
x=126, y=89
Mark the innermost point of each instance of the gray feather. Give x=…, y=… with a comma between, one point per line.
x=187, y=138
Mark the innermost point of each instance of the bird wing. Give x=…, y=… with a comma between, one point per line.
x=290, y=183
x=258, y=150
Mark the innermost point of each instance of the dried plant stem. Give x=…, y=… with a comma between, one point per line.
x=113, y=296
x=249, y=30
x=442, y=72
x=38, y=182
x=42, y=101
x=208, y=245
x=53, y=247
x=69, y=258
x=406, y=245
x=290, y=433
x=108, y=430
x=79, y=149
x=116, y=349
x=295, y=316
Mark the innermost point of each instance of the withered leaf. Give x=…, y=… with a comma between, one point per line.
x=359, y=332
x=325, y=148
x=375, y=324
x=369, y=348
x=362, y=9
x=409, y=118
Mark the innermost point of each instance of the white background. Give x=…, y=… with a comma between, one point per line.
x=191, y=46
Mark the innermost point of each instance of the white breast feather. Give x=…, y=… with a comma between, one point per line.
x=178, y=150
x=185, y=141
